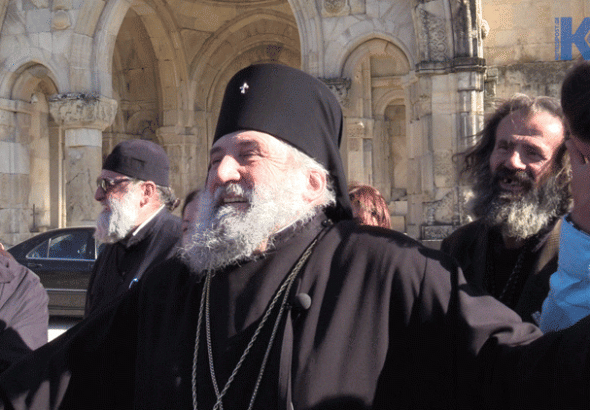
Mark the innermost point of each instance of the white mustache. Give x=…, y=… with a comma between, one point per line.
x=231, y=193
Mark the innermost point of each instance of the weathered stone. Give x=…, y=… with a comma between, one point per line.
x=80, y=110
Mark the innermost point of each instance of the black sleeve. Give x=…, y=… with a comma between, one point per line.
x=91, y=366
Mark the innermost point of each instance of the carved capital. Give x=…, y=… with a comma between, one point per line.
x=333, y=8
x=340, y=87
x=80, y=110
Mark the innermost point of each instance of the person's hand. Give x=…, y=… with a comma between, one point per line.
x=1, y=246
x=580, y=186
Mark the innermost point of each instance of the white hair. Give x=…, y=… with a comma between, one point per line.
x=310, y=164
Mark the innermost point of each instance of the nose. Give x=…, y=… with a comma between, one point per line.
x=514, y=161
x=99, y=194
x=227, y=170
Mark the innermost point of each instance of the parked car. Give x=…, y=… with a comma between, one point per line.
x=63, y=259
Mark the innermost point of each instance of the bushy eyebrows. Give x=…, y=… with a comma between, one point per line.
x=241, y=145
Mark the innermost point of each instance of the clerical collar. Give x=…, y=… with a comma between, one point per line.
x=139, y=233
x=293, y=229
x=152, y=216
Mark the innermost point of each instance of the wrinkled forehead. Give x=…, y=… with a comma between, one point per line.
x=248, y=139
x=537, y=128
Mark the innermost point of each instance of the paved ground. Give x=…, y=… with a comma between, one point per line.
x=58, y=325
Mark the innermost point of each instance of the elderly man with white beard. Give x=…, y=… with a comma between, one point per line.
x=280, y=300
x=520, y=178
x=133, y=188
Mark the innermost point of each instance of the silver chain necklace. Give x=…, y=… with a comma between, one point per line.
x=283, y=291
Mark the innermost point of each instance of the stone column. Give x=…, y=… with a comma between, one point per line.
x=184, y=153
x=82, y=117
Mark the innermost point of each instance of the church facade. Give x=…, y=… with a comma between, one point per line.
x=414, y=78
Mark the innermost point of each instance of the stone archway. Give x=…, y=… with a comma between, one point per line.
x=254, y=36
x=34, y=182
x=375, y=148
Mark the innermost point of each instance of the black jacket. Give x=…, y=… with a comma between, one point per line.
x=391, y=325
x=469, y=245
x=127, y=260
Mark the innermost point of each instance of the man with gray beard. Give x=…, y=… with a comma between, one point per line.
x=133, y=188
x=520, y=182
x=306, y=309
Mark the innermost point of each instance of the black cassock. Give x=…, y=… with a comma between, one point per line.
x=391, y=325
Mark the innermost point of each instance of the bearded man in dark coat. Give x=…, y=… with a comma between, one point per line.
x=520, y=178
x=134, y=190
x=281, y=301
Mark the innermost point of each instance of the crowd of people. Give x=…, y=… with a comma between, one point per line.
x=283, y=287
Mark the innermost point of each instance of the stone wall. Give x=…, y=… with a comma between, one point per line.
x=79, y=76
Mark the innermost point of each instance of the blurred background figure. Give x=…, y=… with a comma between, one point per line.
x=369, y=206
x=23, y=311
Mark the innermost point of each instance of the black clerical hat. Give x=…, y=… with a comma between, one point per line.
x=293, y=106
x=140, y=159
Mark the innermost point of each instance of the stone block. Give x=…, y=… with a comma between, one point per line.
x=208, y=18
x=436, y=232
x=81, y=51
x=62, y=4
x=89, y=15
x=38, y=21
x=60, y=44
x=444, y=170
x=444, y=129
x=14, y=189
x=83, y=137
x=82, y=164
x=398, y=223
x=13, y=25
x=46, y=42
x=398, y=207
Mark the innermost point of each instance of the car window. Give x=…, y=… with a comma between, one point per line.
x=40, y=251
x=71, y=245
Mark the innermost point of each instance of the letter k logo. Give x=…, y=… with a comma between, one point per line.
x=578, y=38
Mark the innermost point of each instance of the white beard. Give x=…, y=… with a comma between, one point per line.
x=116, y=223
x=222, y=235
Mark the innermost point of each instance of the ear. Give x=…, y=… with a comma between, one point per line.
x=316, y=186
x=149, y=193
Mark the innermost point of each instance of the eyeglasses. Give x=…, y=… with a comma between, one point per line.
x=107, y=184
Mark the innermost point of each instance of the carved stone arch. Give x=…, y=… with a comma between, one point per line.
x=375, y=46
x=256, y=53
x=159, y=23
x=369, y=39
x=249, y=30
x=21, y=60
x=375, y=148
x=35, y=149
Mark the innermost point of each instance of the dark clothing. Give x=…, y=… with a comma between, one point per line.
x=23, y=312
x=391, y=325
x=127, y=260
x=487, y=264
